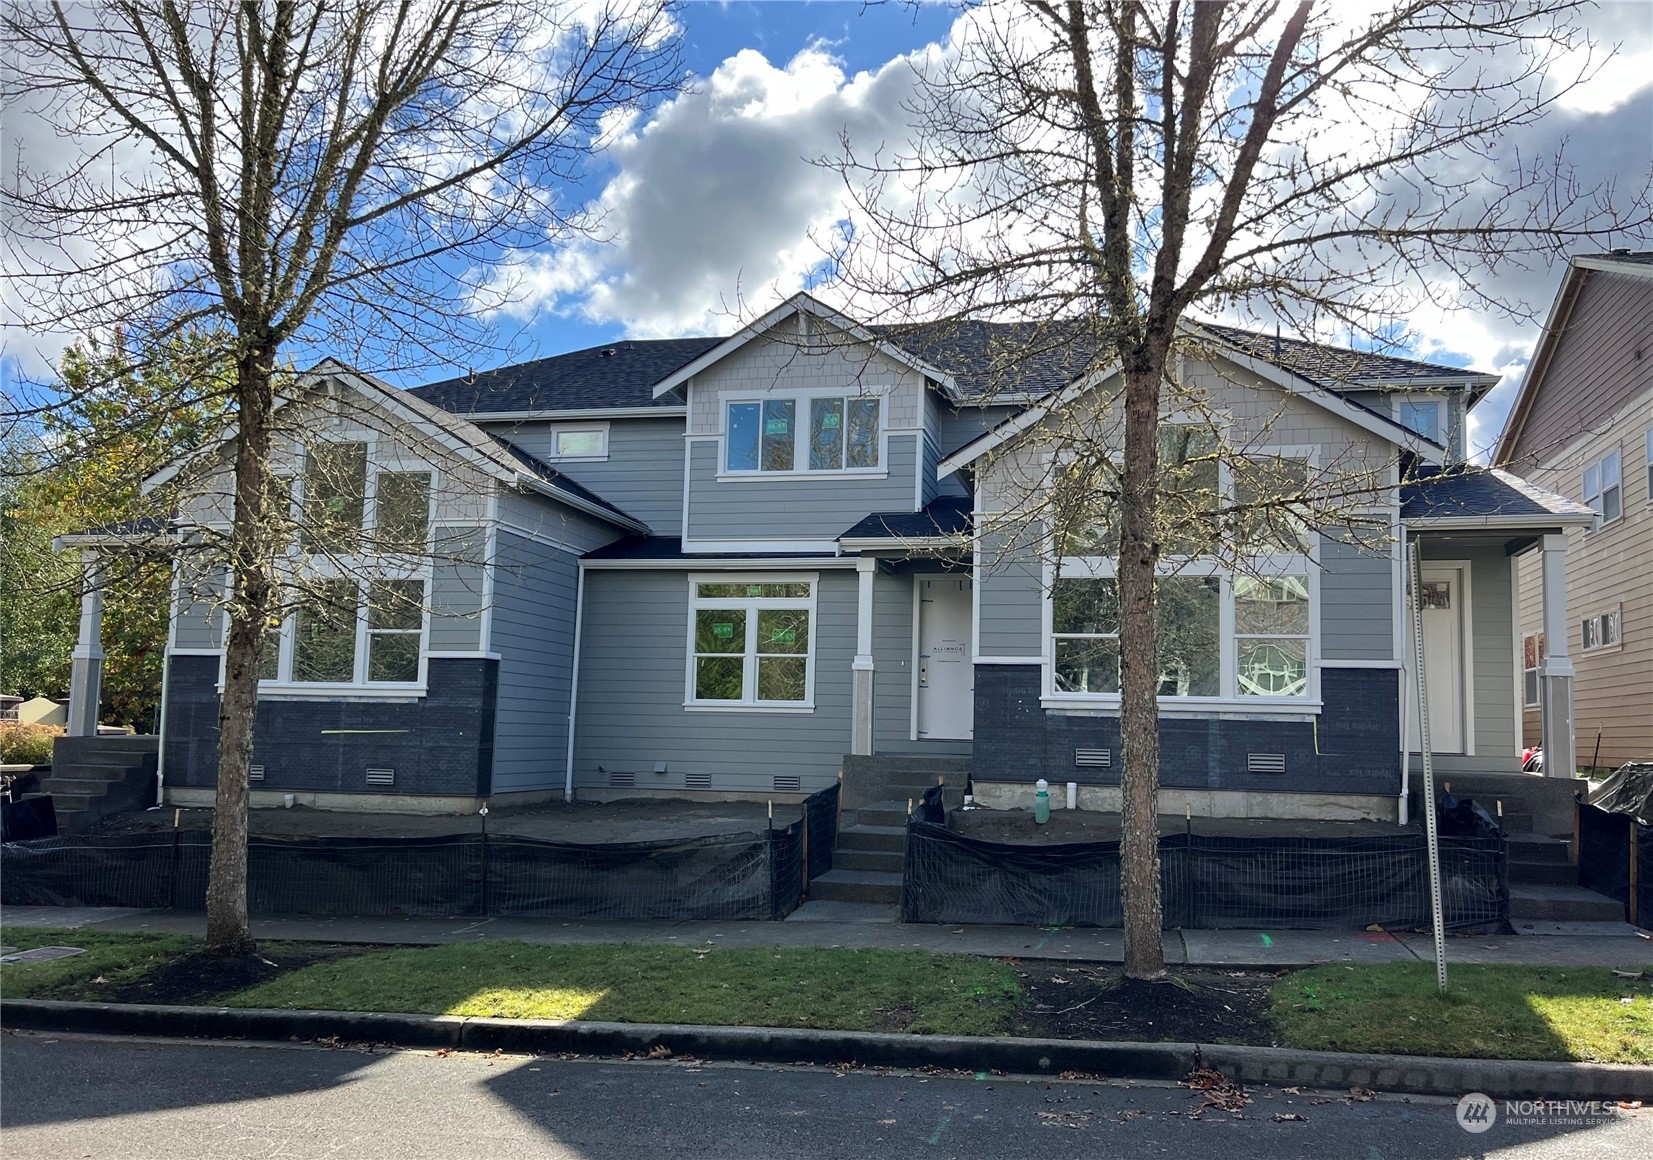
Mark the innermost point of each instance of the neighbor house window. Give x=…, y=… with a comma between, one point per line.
x=842, y=434
x=750, y=642
x=579, y=443
x=1648, y=440
x=1603, y=488
x=1227, y=625
x=1600, y=631
x=1532, y=658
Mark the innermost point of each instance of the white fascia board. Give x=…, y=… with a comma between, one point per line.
x=903, y=543
x=113, y=540
x=1535, y=524
x=525, y=481
x=709, y=563
x=1423, y=382
x=801, y=303
x=552, y=416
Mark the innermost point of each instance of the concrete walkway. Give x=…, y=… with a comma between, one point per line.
x=1236, y=948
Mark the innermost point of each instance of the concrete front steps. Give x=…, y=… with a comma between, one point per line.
x=1545, y=896
x=94, y=777
x=867, y=863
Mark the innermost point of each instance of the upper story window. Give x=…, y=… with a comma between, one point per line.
x=350, y=505
x=1423, y=415
x=579, y=442
x=1603, y=487
x=842, y=434
x=750, y=642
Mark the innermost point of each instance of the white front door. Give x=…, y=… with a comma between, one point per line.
x=1444, y=597
x=946, y=678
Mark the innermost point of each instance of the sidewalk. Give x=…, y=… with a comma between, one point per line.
x=1235, y=948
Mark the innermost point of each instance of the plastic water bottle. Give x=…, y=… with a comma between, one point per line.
x=1041, y=801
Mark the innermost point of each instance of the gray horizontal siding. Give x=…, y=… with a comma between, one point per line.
x=1010, y=600
x=457, y=590
x=533, y=633
x=642, y=476
x=794, y=508
x=892, y=655
x=632, y=680
x=200, y=616
x=1357, y=615
x=538, y=515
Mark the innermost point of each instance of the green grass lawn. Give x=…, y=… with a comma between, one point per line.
x=111, y=956
x=1488, y=1012
x=829, y=988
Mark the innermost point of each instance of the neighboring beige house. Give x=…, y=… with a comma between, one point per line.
x=1583, y=426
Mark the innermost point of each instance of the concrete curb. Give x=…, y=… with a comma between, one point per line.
x=1413, y=1075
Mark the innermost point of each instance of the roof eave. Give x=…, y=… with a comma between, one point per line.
x=528, y=481
x=1533, y=523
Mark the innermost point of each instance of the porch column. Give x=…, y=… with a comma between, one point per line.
x=1555, y=674
x=861, y=730
x=86, y=668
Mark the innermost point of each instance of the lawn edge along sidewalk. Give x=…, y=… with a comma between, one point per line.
x=1415, y=1075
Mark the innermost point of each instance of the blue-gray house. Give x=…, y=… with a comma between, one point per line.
x=717, y=566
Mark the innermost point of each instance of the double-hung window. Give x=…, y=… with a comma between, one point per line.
x=1532, y=659
x=1603, y=487
x=842, y=434
x=1234, y=601
x=750, y=642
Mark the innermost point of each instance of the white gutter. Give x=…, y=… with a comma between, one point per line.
x=574, y=684
x=899, y=543
x=554, y=416
x=1504, y=523
x=697, y=564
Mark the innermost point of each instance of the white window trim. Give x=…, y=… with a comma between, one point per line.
x=558, y=430
x=1596, y=500
x=1616, y=611
x=1229, y=701
x=383, y=457
x=801, y=397
x=1538, y=685
x=754, y=603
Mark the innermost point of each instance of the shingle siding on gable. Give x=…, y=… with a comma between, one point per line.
x=1602, y=361
x=642, y=476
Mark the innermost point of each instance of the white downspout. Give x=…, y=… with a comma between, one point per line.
x=1403, y=812
x=160, y=732
x=574, y=683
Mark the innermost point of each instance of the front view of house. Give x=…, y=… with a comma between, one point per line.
x=718, y=566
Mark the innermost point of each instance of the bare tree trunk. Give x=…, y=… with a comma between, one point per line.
x=228, y=931
x=1139, y=681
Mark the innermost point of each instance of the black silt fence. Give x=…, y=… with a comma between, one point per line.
x=754, y=875
x=821, y=824
x=1643, y=915
x=1605, y=843
x=1205, y=882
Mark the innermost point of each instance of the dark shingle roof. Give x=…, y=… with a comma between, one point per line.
x=946, y=516
x=543, y=470
x=996, y=358
x=618, y=374
x=1333, y=366
x=1472, y=492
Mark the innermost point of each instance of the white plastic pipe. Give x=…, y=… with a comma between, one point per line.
x=1073, y=795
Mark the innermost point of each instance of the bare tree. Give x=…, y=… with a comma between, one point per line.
x=295, y=177
x=1101, y=169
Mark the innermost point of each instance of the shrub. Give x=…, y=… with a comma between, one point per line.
x=22, y=744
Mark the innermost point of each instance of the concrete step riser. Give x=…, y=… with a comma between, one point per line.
x=854, y=892
x=1540, y=851
x=872, y=840
x=1568, y=910
x=106, y=773
x=881, y=861
x=91, y=787
x=875, y=816
x=1544, y=873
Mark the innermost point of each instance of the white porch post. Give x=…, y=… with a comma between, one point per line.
x=861, y=730
x=86, y=668
x=1555, y=674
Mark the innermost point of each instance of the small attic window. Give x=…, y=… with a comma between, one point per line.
x=588, y=441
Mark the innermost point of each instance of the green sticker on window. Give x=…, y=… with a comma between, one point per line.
x=754, y=590
x=774, y=426
x=723, y=629
x=784, y=636
x=829, y=421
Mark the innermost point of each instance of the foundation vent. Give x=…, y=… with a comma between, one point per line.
x=1094, y=758
x=255, y=773
x=697, y=781
x=788, y=783
x=618, y=780
x=1265, y=763
x=381, y=777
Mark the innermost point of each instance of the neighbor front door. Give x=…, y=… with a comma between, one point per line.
x=1444, y=598
x=946, y=678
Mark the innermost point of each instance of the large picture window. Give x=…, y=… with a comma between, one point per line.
x=842, y=435
x=1230, y=625
x=750, y=642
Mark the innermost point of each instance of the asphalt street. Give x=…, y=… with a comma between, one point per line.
x=64, y=1096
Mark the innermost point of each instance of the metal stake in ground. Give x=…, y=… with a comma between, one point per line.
x=1431, y=833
